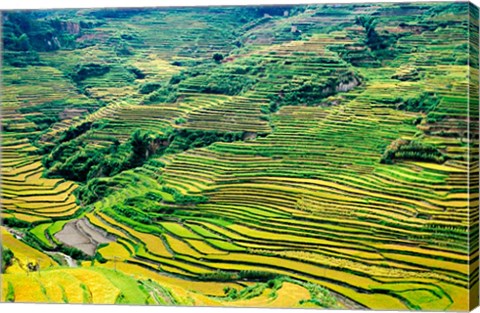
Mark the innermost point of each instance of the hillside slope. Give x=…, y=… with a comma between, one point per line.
x=310, y=156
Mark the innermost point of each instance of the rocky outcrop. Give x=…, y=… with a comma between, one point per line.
x=70, y=27
x=347, y=86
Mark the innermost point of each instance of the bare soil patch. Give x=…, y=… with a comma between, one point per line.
x=84, y=236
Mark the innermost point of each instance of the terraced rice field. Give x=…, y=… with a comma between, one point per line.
x=320, y=156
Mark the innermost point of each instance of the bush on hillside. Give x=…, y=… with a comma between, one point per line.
x=226, y=276
x=136, y=72
x=425, y=102
x=22, y=58
x=402, y=149
x=217, y=57
x=75, y=253
x=132, y=213
x=84, y=71
x=185, y=139
x=7, y=258
x=149, y=87
x=94, y=190
x=14, y=222
x=164, y=94
x=147, y=143
x=226, y=83
x=31, y=31
x=311, y=91
x=184, y=199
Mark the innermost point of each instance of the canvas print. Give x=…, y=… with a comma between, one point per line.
x=288, y=156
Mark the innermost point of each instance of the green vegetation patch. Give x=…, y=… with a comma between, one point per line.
x=7, y=258
x=401, y=149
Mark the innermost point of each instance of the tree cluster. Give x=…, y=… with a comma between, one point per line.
x=225, y=276
x=132, y=213
x=425, y=102
x=373, y=40
x=226, y=83
x=310, y=91
x=182, y=199
x=185, y=139
x=32, y=31
x=402, y=149
x=149, y=87
x=166, y=93
x=380, y=44
x=74, y=160
x=86, y=70
x=7, y=258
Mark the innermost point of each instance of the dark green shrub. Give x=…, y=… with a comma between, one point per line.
x=185, y=139
x=401, y=149
x=75, y=253
x=136, y=72
x=149, y=87
x=30, y=31
x=132, y=213
x=74, y=131
x=99, y=257
x=411, y=75
x=175, y=79
x=7, y=258
x=21, y=58
x=180, y=121
x=165, y=94
x=10, y=296
x=226, y=83
x=184, y=199
x=154, y=196
x=94, y=190
x=217, y=57
x=219, y=275
x=84, y=71
x=257, y=275
x=242, y=275
x=147, y=143
x=373, y=40
x=16, y=223
x=426, y=102
x=123, y=49
x=311, y=91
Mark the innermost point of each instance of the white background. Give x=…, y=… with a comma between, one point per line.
x=62, y=308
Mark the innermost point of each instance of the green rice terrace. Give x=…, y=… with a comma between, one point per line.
x=310, y=156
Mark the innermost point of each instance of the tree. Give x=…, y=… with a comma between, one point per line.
x=217, y=57
x=7, y=258
x=123, y=49
x=140, y=141
x=374, y=40
x=402, y=149
x=23, y=43
x=149, y=87
x=146, y=143
x=86, y=70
